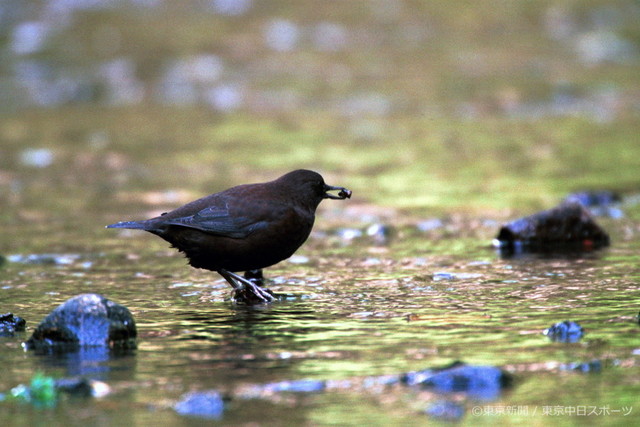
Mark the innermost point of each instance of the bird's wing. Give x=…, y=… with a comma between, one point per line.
x=217, y=220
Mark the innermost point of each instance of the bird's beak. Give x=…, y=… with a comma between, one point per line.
x=343, y=193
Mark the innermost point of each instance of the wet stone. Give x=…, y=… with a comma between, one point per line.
x=10, y=324
x=87, y=320
x=567, y=331
x=201, y=404
x=481, y=382
x=566, y=228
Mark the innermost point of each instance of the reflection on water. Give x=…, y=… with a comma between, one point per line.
x=89, y=362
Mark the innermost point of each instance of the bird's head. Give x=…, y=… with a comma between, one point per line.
x=309, y=187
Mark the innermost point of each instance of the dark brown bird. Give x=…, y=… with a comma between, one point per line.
x=248, y=227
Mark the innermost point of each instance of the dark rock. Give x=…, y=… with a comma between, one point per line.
x=482, y=382
x=75, y=386
x=87, y=320
x=82, y=387
x=201, y=404
x=568, y=227
x=10, y=324
x=445, y=410
x=566, y=331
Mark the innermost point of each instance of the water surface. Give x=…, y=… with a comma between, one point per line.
x=445, y=121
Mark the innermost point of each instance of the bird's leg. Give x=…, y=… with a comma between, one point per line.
x=245, y=287
x=255, y=276
x=228, y=276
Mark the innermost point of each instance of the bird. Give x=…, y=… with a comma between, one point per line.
x=244, y=228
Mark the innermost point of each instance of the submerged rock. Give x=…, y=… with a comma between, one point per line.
x=87, y=320
x=568, y=227
x=83, y=387
x=201, y=404
x=566, y=331
x=482, y=382
x=41, y=392
x=10, y=324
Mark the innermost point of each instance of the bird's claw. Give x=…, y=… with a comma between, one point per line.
x=253, y=294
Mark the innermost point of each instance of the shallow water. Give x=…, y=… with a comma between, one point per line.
x=442, y=130
x=341, y=319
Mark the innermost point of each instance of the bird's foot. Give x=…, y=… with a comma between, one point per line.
x=246, y=291
x=253, y=294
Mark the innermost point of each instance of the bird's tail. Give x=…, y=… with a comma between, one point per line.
x=134, y=225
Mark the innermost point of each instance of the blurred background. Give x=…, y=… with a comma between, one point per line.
x=422, y=105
